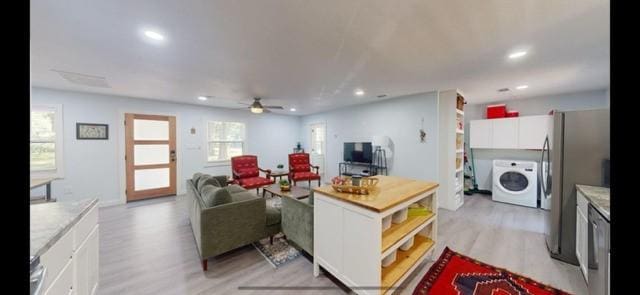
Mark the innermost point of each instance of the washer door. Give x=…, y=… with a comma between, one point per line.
x=514, y=182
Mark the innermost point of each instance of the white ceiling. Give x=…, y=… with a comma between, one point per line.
x=311, y=55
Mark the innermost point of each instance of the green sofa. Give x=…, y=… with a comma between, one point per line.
x=297, y=222
x=224, y=217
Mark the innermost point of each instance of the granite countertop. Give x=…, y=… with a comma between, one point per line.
x=597, y=196
x=50, y=221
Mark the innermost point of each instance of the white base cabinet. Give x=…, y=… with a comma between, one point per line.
x=72, y=262
x=582, y=238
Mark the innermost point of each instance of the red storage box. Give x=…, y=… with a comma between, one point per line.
x=496, y=111
x=513, y=113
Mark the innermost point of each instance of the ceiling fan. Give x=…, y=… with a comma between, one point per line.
x=257, y=108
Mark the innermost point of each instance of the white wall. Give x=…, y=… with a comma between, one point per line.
x=399, y=118
x=94, y=168
x=527, y=107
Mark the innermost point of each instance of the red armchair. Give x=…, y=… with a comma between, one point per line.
x=300, y=169
x=246, y=172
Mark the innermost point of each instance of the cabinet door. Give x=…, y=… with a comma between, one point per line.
x=581, y=241
x=505, y=133
x=532, y=130
x=480, y=133
x=86, y=264
x=63, y=283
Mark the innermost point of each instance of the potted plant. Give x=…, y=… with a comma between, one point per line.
x=284, y=185
x=280, y=166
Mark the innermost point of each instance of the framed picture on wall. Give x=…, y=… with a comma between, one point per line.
x=92, y=131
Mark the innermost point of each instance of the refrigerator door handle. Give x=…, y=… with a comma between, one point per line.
x=545, y=180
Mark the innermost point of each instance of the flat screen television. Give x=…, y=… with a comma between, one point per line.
x=358, y=152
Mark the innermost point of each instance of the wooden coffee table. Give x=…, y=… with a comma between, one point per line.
x=296, y=192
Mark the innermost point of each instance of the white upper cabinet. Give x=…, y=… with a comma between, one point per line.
x=526, y=132
x=505, y=133
x=533, y=130
x=480, y=134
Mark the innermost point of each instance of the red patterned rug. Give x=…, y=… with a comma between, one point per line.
x=457, y=274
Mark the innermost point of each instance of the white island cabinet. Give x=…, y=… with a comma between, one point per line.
x=370, y=242
x=71, y=256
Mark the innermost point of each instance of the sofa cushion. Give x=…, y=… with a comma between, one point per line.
x=254, y=182
x=242, y=196
x=310, y=198
x=273, y=215
x=207, y=179
x=214, y=196
x=234, y=188
x=196, y=177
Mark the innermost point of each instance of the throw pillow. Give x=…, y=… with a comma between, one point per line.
x=214, y=196
x=206, y=179
x=196, y=177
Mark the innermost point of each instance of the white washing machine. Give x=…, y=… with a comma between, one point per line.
x=515, y=182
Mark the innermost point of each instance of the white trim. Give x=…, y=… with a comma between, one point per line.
x=222, y=163
x=59, y=140
x=120, y=143
x=110, y=203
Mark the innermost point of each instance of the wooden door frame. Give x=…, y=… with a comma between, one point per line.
x=121, y=143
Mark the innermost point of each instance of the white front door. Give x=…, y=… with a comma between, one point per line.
x=318, y=139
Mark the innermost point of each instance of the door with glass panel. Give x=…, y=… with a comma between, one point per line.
x=318, y=139
x=150, y=156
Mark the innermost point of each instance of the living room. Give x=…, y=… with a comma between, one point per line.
x=204, y=148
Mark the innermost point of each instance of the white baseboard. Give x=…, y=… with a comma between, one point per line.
x=109, y=203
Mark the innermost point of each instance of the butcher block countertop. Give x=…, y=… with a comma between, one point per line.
x=390, y=191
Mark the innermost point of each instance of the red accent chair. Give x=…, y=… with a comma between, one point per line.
x=300, y=168
x=246, y=173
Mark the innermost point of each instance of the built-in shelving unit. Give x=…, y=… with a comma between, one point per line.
x=451, y=148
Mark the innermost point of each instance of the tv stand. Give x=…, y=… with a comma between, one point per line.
x=345, y=167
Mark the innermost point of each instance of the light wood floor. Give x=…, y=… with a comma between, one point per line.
x=147, y=247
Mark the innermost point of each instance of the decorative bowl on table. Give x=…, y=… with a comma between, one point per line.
x=345, y=185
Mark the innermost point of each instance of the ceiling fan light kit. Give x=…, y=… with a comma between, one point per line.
x=257, y=108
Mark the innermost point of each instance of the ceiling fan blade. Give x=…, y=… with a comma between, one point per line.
x=274, y=107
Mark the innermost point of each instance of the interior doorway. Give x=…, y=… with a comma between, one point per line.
x=318, y=146
x=150, y=155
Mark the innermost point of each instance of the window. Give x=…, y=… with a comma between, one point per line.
x=224, y=140
x=46, y=140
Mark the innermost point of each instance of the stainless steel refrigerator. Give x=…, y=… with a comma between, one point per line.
x=575, y=153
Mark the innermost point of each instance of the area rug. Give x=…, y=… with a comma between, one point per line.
x=457, y=274
x=279, y=253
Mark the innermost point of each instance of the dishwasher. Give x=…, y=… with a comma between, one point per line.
x=598, y=253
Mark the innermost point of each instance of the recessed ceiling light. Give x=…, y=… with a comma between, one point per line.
x=203, y=98
x=292, y=109
x=154, y=35
x=517, y=54
x=359, y=92
x=522, y=87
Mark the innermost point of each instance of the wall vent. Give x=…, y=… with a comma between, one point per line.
x=503, y=89
x=83, y=79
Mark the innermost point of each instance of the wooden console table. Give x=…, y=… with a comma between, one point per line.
x=349, y=240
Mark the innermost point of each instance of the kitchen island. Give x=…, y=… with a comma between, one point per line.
x=64, y=240
x=370, y=242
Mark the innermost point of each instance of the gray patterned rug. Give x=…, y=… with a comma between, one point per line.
x=279, y=253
